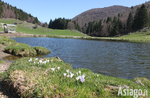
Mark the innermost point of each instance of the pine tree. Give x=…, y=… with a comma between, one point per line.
x=115, y=29
x=1, y=8
x=136, y=18
x=50, y=24
x=143, y=17
x=119, y=23
x=108, y=19
x=130, y=21
x=35, y=20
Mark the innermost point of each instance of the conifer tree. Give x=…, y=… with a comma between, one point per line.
x=143, y=17
x=130, y=21
x=50, y=24
x=136, y=18
x=115, y=29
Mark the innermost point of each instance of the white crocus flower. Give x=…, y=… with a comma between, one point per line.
x=77, y=78
x=58, y=68
x=40, y=61
x=80, y=72
x=71, y=75
x=65, y=74
x=36, y=58
x=47, y=61
x=53, y=69
x=77, y=73
x=30, y=60
x=67, y=71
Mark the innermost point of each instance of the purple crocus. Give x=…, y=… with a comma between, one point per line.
x=82, y=79
x=68, y=76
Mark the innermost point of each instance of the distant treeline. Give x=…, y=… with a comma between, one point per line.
x=112, y=27
x=109, y=26
x=62, y=23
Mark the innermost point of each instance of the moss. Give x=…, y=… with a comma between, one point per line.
x=6, y=41
x=22, y=50
x=41, y=50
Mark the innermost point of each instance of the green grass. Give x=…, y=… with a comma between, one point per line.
x=41, y=50
x=142, y=35
x=9, y=21
x=1, y=29
x=1, y=61
x=46, y=31
x=20, y=49
x=28, y=29
x=39, y=80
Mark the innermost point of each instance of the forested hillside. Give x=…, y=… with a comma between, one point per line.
x=111, y=21
x=9, y=11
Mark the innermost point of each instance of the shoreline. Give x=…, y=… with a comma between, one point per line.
x=3, y=66
x=107, y=86
x=76, y=37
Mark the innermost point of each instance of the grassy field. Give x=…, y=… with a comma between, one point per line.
x=51, y=77
x=142, y=35
x=28, y=29
x=9, y=21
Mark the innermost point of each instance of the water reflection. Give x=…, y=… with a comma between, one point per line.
x=10, y=58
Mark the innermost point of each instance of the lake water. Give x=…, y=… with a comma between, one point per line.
x=119, y=59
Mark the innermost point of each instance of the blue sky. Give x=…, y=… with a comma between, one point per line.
x=51, y=9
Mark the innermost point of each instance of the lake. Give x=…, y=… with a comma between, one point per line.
x=118, y=59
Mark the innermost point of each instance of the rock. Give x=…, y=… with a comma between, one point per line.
x=139, y=82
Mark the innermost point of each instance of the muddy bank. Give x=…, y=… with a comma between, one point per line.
x=3, y=67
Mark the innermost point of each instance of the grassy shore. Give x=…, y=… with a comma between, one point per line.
x=21, y=49
x=51, y=77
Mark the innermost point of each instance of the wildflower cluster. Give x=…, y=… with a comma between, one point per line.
x=37, y=61
x=78, y=76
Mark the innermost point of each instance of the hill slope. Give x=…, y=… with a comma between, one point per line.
x=102, y=13
x=97, y=14
x=9, y=11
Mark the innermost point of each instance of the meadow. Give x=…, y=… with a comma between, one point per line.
x=51, y=77
x=28, y=28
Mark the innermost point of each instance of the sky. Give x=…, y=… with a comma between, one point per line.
x=45, y=10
